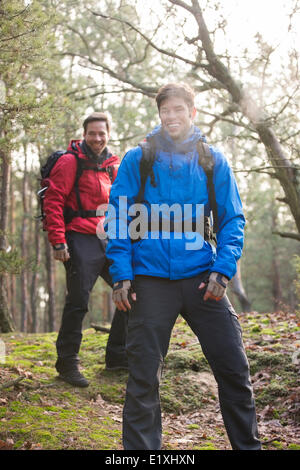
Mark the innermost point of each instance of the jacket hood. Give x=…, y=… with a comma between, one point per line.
x=166, y=143
x=74, y=145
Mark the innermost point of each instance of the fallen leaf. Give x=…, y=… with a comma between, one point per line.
x=6, y=445
x=116, y=418
x=99, y=400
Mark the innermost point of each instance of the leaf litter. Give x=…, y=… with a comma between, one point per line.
x=272, y=345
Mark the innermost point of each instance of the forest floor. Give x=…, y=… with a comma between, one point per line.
x=39, y=412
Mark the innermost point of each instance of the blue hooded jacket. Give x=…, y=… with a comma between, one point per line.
x=180, y=180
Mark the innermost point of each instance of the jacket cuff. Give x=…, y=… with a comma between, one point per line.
x=121, y=277
x=56, y=241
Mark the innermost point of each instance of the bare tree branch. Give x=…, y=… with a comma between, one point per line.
x=294, y=134
x=149, y=91
x=223, y=117
x=288, y=100
x=11, y=383
x=102, y=92
x=261, y=169
x=148, y=40
x=295, y=236
x=284, y=172
x=130, y=137
x=183, y=5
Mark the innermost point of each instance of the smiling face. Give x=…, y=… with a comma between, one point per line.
x=176, y=117
x=96, y=136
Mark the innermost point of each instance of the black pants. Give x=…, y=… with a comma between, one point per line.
x=87, y=262
x=153, y=315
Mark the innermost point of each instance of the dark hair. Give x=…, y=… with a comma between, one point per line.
x=181, y=90
x=97, y=117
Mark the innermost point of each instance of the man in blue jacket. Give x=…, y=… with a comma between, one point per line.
x=168, y=272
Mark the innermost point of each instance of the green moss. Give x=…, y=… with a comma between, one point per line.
x=179, y=393
x=185, y=359
x=113, y=385
x=294, y=447
x=69, y=396
x=277, y=444
x=22, y=363
x=18, y=444
x=107, y=420
x=57, y=416
x=256, y=329
x=46, y=438
x=271, y=392
x=207, y=447
x=35, y=398
x=268, y=331
x=68, y=414
x=261, y=359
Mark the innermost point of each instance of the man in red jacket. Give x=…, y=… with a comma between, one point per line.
x=71, y=219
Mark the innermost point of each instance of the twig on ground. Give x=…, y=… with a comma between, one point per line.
x=10, y=383
x=100, y=328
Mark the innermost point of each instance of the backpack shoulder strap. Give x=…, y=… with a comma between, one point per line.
x=110, y=170
x=79, y=171
x=206, y=160
x=146, y=164
x=205, y=157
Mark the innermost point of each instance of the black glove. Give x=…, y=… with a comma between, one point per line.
x=120, y=294
x=216, y=286
x=61, y=252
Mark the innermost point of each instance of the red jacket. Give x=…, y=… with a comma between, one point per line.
x=94, y=189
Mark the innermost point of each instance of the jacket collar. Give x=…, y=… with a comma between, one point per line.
x=92, y=156
x=164, y=142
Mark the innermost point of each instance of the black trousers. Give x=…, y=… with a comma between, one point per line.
x=151, y=319
x=87, y=262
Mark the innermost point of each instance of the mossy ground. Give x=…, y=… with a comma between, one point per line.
x=41, y=412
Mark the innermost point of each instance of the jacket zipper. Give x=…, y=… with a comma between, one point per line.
x=170, y=190
x=97, y=174
x=170, y=173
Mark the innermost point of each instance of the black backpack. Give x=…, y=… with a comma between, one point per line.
x=205, y=159
x=82, y=165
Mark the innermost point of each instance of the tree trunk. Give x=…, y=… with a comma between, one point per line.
x=50, y=267
x=6, y=322
x=35, y=276
x=24, y=251
x=276, y=283
x=238, y=289
x=12, y=277
x=286, y=175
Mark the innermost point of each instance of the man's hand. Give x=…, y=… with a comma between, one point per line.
x=120, y=295
x=216, y=286
x=61, y=252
